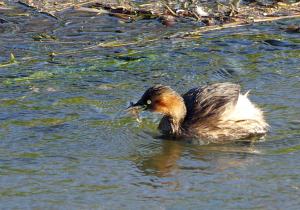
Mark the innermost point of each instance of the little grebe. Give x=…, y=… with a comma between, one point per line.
x=216, y=111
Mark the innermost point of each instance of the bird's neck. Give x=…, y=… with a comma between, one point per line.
x=173, y=116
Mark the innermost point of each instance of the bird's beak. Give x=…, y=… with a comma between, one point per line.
x=136, y=109
x=136, y=106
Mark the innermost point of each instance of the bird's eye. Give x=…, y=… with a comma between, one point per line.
x=149, y=101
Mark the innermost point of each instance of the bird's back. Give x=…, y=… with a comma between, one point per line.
x=220, y=111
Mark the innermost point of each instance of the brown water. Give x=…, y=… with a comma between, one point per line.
x=66, y=142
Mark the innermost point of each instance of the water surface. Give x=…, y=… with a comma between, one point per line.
x=66, y=142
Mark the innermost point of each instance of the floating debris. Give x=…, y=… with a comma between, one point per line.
x=167, y=20
x=292, y=30
x=201, y=12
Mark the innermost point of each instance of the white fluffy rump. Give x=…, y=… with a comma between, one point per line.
x=245, y=110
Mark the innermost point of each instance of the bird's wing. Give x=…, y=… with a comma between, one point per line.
x=210, y=102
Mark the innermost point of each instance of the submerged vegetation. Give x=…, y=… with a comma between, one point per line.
x=11, y=62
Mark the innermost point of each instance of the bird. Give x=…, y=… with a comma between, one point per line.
x=217, y=111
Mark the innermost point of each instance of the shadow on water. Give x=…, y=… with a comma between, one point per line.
x=165, y=160
x=67, y=143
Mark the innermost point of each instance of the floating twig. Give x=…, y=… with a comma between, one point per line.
x=170, y=10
